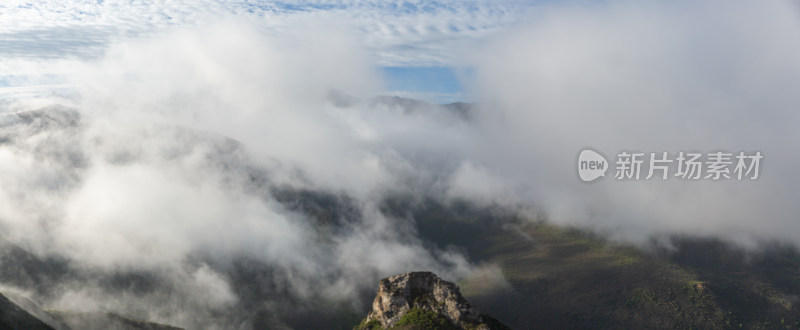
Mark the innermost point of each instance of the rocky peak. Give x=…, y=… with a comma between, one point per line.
x=419, y=299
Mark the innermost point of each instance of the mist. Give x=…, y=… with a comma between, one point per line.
x=180, y=168
x=651, y=78
x=176, y=159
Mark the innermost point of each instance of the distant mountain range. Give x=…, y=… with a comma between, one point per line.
x=461, y=110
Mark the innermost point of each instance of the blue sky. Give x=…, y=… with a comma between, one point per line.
x=416, y=44
x=436, y=84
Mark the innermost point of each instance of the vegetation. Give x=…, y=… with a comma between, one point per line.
x=371, y=325
x=415, y=318
x=425, y=319
x=571, y=278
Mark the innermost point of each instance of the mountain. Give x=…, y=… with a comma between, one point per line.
x=561, y=277
x=544, y=276
x=104, y=320
x=12, y=316
x=18, y=312
x=460, y=110
x=422, y=300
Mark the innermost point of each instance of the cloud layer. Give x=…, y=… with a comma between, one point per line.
x=399, y=32
x=196, y=171
x=651, y=77
x=207, y=159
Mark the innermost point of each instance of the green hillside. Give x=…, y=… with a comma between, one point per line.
x=562, y=277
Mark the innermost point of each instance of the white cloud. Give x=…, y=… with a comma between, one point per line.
x=149, y=181
x=651, y=77
x=399, y=32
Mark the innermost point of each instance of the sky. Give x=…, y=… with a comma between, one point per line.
x=415, y=45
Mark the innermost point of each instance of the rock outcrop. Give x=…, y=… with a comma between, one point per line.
x=422, y=300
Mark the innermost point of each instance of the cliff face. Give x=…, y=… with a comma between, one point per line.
x=423, y=300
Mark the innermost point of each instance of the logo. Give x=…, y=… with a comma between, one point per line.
x=591, y=165
x=685, y=165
